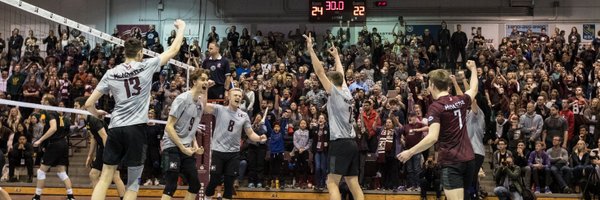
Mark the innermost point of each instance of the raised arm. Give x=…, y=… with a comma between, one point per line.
x=173, y=50
x=203, y=99
x=338, y=62
x=473, y=80
x=317, y=66
x=456, y=86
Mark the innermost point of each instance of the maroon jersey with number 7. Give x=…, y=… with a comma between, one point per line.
x=454, y=145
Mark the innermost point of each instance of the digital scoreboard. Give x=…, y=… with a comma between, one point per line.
x=334, y=11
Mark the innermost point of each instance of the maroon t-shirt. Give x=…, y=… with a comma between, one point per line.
x=412, y=139
x=453, y=142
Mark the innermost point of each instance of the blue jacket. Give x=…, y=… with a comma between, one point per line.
x=276, y=139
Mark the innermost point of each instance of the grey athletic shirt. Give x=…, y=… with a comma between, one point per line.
x=130, y=85
x=188, y=115
x=339, y=107
x=228, y=129
x=476, y=130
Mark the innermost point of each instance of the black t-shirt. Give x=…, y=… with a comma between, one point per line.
x=62, y=125
x=94, y=125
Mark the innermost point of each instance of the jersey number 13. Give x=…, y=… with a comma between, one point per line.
x=135, y=82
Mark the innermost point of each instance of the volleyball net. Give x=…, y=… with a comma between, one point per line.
x=25, y=16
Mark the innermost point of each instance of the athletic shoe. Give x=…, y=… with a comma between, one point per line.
x=401, y=188
x=156, y=182
x=250, y=185
x=36, y=197
x=70, y=197
x=537, y=190
x=567, y=190
x=259, y=185
x=148, y=182
x=236, y=183
x=547, y=190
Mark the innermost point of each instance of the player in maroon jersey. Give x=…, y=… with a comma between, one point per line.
x=447, y=126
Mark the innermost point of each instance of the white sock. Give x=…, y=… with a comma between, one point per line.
x=69, y=191
x=38, y=191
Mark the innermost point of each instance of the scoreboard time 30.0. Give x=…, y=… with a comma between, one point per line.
x=336, y=10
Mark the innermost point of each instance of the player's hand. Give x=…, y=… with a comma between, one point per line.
x=333, y=50
x=453, y=78
x=471, y=65
x=188, y=151
x=200, y=150
x=309, y=40
x=404, y=156
x=179, y=24
x=210, y=83
x=36, y=143
x=263, y=138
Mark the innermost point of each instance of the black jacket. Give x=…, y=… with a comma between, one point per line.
x=444, y=37
x=25, y=153
x=459, y=40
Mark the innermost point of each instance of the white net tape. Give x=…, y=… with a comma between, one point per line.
x=57, y=109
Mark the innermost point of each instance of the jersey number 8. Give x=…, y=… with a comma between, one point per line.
x=231, y=124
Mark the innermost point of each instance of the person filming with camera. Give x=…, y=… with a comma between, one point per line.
x=508, y=183
x=430, y=179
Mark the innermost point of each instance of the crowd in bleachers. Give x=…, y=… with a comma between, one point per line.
x=540, y=97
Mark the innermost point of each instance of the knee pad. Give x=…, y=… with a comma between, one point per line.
x=62, y=175
x=133, y=174
x=41, y=175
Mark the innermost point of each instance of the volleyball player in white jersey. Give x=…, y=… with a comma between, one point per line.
x=343, y=150
x=130, y=85
x=179, y=144
x=225, y=142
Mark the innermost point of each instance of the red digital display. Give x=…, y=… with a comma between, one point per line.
x=334, y=5
x=336, y=10
x=380, y=3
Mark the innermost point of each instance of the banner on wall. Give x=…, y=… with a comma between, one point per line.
x=588, y=31
x=488, y=31
x=535, y=28
x=125, y=31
